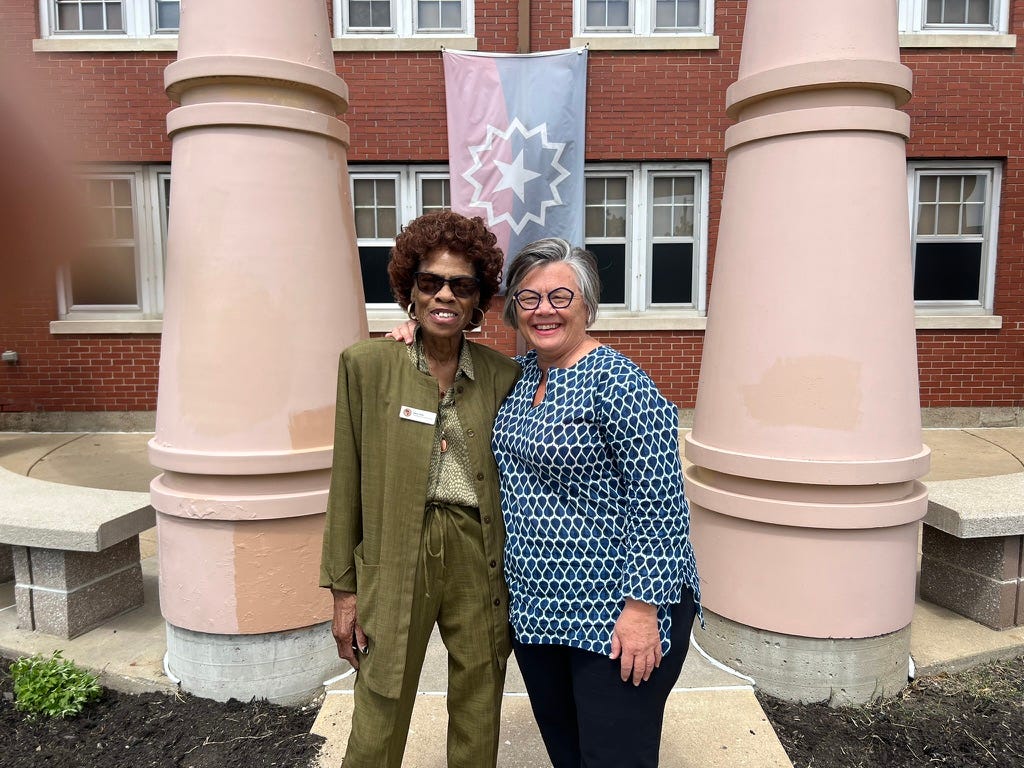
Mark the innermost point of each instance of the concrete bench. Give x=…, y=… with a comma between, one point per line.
x=75, y=552
x=972, y=549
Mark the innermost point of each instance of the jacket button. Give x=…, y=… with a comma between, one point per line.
x=470, y=433
x=497, y=601
x=494, y=564
x=458, y=390
x=479, y=475
x=487, y=519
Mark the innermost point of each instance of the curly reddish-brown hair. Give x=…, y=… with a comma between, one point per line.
x=468, y=237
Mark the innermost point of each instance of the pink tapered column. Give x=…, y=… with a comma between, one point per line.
x=262, y=293
x=806, y=439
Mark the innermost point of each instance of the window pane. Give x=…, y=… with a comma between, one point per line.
x=386, y=192
x=168, y=15
x=926, y=220
x=366, y=223
x=114, y=20
x=673, y=206
x=927, y=188
x=436, y=195
x=947, y=11
x=949, y=219
x=672, y=273
x=373, y=263
x=124, y=224
x=607, y=13
x=362, y=192
x=675, y=14
x=122, y=190
x=376, y=211
x=978, y=12
x=67, y=17
x=92, y=16
x=359, y=14
x=947, y=272
x=611, y=265
x=374, y=14
x=605, y=207
x=950, y=189
x=974, y=219
x=451, y=14
x=387, y=222
x=104, y=275
x=428, y=15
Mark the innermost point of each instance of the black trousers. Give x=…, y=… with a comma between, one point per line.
x=587, y=716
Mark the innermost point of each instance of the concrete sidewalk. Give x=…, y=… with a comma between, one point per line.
x=713, y=718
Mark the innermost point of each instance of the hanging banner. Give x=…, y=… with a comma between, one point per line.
x=515, y=142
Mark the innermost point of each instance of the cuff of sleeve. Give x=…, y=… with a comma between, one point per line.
x=345, y=582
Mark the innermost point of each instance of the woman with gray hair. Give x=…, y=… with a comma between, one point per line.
x=601, y=574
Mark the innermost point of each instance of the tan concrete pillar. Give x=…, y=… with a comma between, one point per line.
x=262, y=292
x=806, y=438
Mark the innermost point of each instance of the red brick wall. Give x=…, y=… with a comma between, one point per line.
x=967, y=104
x=970, y=104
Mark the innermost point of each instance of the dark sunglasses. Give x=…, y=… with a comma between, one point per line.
x=463, y=287
x=560, y=298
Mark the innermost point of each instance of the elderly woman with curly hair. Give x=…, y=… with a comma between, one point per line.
x=414, y=533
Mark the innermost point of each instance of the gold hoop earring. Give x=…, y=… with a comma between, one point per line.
x=479, y=322
x=411, y=311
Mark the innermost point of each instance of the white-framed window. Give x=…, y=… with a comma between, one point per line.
x=643, y=17
x=109, y=18
x=403, y=18
x=954, y=16
x=954, y=210
x=384, y=199
x=647, y=226
x=119, y=274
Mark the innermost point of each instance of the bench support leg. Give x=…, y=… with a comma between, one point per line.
x=67, y=593
x=980, y=578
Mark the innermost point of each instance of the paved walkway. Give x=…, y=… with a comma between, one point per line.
x=713, y=718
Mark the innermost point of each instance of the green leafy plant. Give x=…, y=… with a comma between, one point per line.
x=52, y=686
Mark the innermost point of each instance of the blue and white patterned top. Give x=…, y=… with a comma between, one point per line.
x=592, y=496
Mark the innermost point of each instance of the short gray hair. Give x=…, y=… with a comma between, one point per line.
x=553, y=250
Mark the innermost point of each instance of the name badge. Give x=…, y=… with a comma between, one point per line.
x=415, y=414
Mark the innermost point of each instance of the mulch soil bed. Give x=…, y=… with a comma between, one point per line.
x=963, y=720
x=153, y=730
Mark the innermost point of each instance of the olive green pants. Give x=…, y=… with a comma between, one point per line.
x=451, y=591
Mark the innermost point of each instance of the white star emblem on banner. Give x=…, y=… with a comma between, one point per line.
x=514, y=175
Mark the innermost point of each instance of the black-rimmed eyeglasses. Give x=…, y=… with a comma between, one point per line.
x=463, y=287
x=560, y=298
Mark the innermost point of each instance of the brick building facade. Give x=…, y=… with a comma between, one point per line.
x=88, y=337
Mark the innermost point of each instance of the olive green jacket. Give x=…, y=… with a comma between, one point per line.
x=375, y=510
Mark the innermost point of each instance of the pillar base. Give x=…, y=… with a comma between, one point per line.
x=282, y=667
x=841, y=672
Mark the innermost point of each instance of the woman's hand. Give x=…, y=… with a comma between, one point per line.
x=635, y=640
x=405, y=332
x=345, y=627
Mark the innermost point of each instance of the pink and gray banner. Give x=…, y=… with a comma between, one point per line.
x=516, y=142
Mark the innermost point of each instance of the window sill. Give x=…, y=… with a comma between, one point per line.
x=958, y=40
x=353, y=43
x=958, y=322
x=60, y=327
x=357, y=43
x=622, y=320
x=647, y=42
x=104, y=44
x=383, y=320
